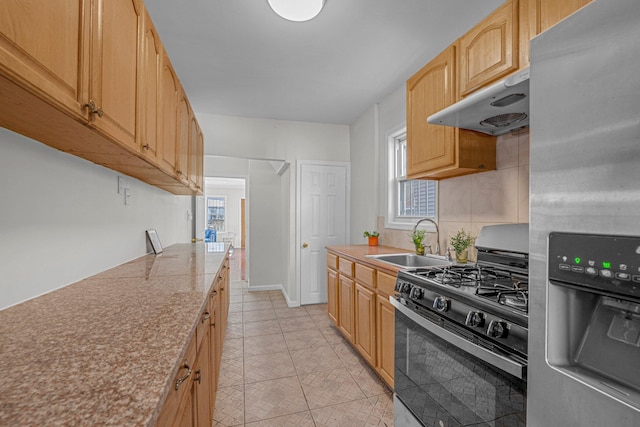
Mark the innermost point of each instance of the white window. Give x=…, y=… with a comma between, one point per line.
x=216, y=211
x=408, y=200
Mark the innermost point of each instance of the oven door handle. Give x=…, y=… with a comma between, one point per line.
x=507, y=365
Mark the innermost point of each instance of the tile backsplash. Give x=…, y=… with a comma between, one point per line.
x=473, y=201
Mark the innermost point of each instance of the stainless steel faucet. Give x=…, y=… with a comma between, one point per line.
x=437, y=232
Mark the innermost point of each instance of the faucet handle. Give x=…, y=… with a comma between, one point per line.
x=427, y=249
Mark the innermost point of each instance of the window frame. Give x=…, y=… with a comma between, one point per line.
x=392, y=219
x=223, y=199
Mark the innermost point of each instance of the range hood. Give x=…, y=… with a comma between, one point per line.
x=494, y=110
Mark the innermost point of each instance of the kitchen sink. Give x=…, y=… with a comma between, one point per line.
x=412, y=260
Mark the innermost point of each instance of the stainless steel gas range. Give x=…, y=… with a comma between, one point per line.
x=461, y=336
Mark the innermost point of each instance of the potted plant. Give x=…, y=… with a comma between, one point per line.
x=372, y=236
x=417, y=236
x=460, y=243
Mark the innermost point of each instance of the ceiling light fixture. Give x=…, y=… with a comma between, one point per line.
x=297, y=10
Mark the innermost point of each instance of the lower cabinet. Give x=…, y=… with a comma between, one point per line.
x=332, y=294
x=358, y=303
x=385, y=331
x=191, y=398
x=365, y=323
x=346, y=306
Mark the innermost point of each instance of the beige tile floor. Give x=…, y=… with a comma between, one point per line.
x=286, y=366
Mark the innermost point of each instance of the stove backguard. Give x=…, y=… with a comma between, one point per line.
x=593, y=312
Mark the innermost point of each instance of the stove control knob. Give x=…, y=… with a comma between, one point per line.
x=406, y=288
x=475, y=319
x=497, y=329
x=441, y=304
x=398, y=286
x=416, y=293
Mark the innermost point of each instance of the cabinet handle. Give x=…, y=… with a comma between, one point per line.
x=206, y=317
x=187, y=375
x=198, y=376
x=91, y=105
x=145, y=146
x=215, y=292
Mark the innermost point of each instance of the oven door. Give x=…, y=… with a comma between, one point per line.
x=441, y=383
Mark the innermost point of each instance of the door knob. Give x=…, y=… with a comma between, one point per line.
x=304, y=245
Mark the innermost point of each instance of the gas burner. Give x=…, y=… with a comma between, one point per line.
x=515, y=299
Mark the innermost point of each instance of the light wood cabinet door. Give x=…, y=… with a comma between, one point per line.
x=332, y=295
x=365, y=323
x=215, y=346
x=182, y=143
x=169, y=90
x=202, y=384
x=385, y=335
x=489, y=51
x=116, y=25
x=434, y=151
x=200, y=163
x=346, y=306
x=149, y=107
x=430, y=147
x=547, y=13
x=42, y=48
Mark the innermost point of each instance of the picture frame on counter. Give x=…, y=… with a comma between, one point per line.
x=154, y=240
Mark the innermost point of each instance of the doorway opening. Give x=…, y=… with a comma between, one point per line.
x=225, y=216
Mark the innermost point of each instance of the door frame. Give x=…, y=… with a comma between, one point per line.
x=299, y=165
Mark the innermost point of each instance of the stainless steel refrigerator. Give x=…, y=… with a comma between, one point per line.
x=584, y=308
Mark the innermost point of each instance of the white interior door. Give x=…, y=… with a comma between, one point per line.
x=323, y=222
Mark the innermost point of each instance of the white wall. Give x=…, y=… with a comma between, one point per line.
x=61, y=219
x=368, y=162
x=271, y=251
x=364, y=172
x=243, y=137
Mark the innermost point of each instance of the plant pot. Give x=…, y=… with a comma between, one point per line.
x=420, y=250
x=462, y=257
x=373, y=240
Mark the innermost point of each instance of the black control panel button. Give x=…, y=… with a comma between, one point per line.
x=577, y=269
x=623, y=276
x=565, y=267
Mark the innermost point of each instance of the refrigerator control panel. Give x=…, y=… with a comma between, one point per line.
x=604, y=264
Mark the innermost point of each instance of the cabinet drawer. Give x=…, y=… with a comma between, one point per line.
x=345, y=267
x=386, y=283
x=332, y=261
x=366, y=275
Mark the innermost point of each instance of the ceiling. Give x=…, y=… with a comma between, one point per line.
x=238, y=58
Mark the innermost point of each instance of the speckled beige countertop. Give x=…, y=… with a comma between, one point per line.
x=104, y=350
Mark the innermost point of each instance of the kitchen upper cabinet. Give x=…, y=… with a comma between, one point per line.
x=195, y=166
x=46, y=62
x=169, y=91
x=434, y=151
x=113, y=69
x=99, y=87
x=489, y=51
x=537, y=16
x=544, y=14
x=151, y=114
x=182, y=144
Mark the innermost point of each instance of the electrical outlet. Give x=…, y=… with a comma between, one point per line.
x=127, y=197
